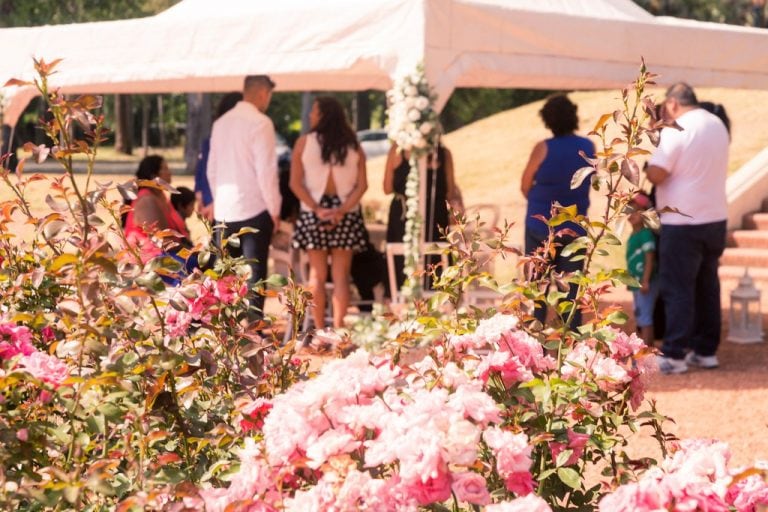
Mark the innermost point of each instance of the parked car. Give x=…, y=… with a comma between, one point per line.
x=374, y=142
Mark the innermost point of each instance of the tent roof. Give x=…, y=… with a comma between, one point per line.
x=204, y=45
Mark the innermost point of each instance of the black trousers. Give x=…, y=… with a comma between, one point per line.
x=254, y=247
x=690, y=287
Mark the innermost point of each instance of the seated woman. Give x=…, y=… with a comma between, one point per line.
x=152, y=212
x=328, y=176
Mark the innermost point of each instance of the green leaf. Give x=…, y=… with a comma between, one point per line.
x=111, y=411
x=580, y=175
x=96, y=424
x=563, y=457
x=569, y=477
x=545, y=474
x=61, y=261
x=71, y=493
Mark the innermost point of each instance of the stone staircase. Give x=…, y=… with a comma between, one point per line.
x=747, y=248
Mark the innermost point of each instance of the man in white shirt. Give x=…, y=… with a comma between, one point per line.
x=689, y=169
x=242, y=172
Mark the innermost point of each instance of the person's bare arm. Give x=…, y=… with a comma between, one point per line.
x=393, y=160
x=656, y=174
x=650, y=259
x=296, y=181
x=361, y=185
x=538, y=154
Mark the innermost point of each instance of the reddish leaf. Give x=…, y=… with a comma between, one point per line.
x=16, y=81
x=168, y=458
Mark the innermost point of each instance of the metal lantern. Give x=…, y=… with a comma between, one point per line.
x=746, y=320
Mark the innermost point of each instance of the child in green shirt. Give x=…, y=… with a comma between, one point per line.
x=641, y=264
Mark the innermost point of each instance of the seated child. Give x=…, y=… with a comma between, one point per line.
x=641, y=264
x=184, y=202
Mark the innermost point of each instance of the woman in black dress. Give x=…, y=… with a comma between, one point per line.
x=441, y=187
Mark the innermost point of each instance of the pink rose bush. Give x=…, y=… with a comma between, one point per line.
x=695, y=476
x=18, y=353
x=365, y=432
x=202, y=302
x=462, y=425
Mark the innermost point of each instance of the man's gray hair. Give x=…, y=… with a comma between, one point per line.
x=683, y=93
x=258, y=81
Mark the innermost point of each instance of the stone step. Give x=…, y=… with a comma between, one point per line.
x=748, y=239
x=745, y=257
x=758, y=220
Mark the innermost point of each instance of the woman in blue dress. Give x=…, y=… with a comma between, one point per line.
x=547, y=179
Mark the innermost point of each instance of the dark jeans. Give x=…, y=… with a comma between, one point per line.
x=254, y=247
x=690, y=287
x=561, y=264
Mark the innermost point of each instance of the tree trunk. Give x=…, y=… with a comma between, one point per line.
x=306, y=105
x=198, y=127
x=362, y=110
x=161, y=120
x=123, y=124
x=145, y=125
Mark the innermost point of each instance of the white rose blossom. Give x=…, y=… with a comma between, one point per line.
x=413, y=123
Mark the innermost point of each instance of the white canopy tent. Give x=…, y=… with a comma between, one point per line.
x=202, y=45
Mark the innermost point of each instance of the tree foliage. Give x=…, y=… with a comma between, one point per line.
x=28, y=13
x=734, y=12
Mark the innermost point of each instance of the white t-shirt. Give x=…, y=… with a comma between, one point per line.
x=242, y=165
x=696, y=159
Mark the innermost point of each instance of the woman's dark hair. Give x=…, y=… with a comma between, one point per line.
x=559, y=115
x=719, y=111
x=149, y=167
x=227, y=102
x=182, y=199
x=333, y=131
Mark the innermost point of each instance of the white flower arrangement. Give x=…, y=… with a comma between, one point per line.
x=414, y=127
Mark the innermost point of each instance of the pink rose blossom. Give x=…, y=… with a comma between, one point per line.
x=470, y=487
x=46, y=368
x=576, y=442
x=474, y=403
x=22, y=435
x=15, y=340
x=432, y=490
x=48, y=334
x=512, y=452
x=520, y=483
x=747, y=493
x=330, y=443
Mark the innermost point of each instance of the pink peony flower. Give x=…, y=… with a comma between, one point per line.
x=46, y=368
x=530, y=503
x=470, y=487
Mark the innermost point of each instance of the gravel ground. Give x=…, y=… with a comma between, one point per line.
x=728, y=403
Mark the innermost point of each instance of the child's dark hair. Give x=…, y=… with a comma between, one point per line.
x=184, y=198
